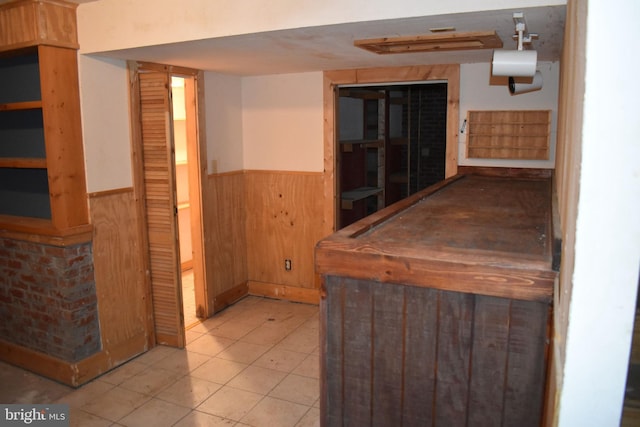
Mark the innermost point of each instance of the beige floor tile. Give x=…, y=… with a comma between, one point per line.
x=230, y=403
x=271, y=412
x=218, y=370
x=280, y=359
x=257, y=379
x=290, y=322
x=243, y=352
x=21, y=386
x=297, y=389
x=310, y=419
x=182, y=362
x=151, y=381
x=85, y=394
x=310, y=367
x=189, y=299
x=303, y=340
x=206, y=325
x=156, y=413
x=155, y=354
x=234, y=329
x=188, y=391
x=123, y=372
x=80, y=418
x=115, y=403
x=266, y=334
x=191, y=335
x=202, y=419
x=119, y=397
x=209, y=345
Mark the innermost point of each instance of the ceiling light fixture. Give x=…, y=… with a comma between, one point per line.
x=438, y=42
x=520, y=62
x=519, y=65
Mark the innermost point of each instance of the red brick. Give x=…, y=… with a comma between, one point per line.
x=54, y=251
x=46, y=260
x=17, y=293
x=14, y=264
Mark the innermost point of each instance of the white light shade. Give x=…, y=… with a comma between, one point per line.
x=514, y=63
x=518, y=88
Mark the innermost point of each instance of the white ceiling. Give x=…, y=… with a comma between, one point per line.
x=331, y=47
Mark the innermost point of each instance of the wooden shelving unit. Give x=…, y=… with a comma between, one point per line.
x=509, y=134
x=361, y=155
x=41, y=157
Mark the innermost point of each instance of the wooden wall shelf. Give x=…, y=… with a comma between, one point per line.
x=510, y=134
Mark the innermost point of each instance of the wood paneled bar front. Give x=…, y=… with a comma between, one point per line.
x=436, y=311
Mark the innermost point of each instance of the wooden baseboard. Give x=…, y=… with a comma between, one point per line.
x=73, y=374
x=290, y=293
x=227, y=298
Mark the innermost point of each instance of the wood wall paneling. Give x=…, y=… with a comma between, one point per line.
x=119, y=271
x=403, y=355
x=284, y=221
x=224, y=217
x=567, y=173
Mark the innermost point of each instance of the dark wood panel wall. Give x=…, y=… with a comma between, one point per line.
x=416, y=356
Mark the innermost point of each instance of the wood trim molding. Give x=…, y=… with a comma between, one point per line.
x=42, y=231
x=107, y=193
x=73, y=374
x=331, y=79
x=289, y=293
x=230, y=296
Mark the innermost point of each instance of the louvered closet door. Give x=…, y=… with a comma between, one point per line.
x=161, y=207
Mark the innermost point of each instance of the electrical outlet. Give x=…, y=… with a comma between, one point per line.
x=287, y=264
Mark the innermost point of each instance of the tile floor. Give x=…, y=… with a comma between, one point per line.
x=254, y=364
x=189, y=299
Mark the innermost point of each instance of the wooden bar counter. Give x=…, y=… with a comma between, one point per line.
x=436, y=311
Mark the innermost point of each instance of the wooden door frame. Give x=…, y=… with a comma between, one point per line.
x=415, y=74
x=199, y=177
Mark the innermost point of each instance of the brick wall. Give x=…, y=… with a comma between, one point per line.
x=48, y=298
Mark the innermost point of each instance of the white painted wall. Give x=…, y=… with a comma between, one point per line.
x=146, y=21
x=282, y=122
x=223, y=109
x=607, y=248
x=104, y=98
x=479, y=91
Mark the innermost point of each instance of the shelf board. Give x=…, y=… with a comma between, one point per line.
x=26, y=105
x=23, y=163
x=401, y=140
x=347, y=146
x=351, y=196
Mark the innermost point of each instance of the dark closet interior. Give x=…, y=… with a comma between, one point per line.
x=391, y=143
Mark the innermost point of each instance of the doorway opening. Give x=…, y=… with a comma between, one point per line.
x=185, y=213
x=391, y=142
x=168, y=180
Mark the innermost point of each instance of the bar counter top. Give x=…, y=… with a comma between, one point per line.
x=484, y=232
